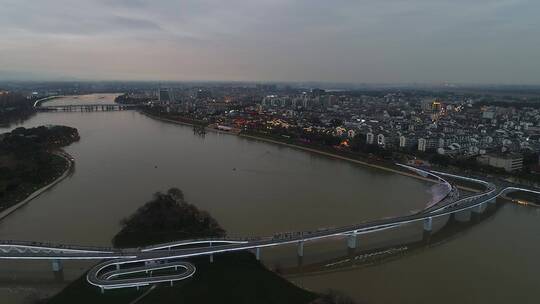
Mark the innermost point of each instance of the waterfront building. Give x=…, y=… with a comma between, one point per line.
x=509, y=162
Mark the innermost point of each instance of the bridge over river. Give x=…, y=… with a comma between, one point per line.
x=40, y=105
x=133, y=267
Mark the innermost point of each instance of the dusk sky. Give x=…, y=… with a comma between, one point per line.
x=354, y=41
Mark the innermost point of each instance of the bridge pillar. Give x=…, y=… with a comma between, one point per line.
x=479, y=209
x=493, y=200
x=352, y=241
x=300, y=249
x=258, y=253
x=463, y=216
x=57, y=265
x=428, y=224
x=211, y=255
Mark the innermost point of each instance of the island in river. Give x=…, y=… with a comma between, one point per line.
x=30, y=159
x=231, y=278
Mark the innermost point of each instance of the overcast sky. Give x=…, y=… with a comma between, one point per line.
x=355, y=41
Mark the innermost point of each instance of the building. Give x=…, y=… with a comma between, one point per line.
x=422, y=144
x=381, y=140
x=402, y=141
x=165, y=95
x=369, y=138
x=509, y=162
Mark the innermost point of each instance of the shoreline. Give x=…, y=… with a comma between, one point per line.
x=307, y=149
x=5, y=213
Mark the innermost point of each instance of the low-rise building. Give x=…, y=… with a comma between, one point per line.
x=509, y=162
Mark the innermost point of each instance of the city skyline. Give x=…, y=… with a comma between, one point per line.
x=419, y=41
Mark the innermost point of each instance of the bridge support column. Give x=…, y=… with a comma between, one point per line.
x=463, y=216
x=300, y=249
x=352, y=240
x=479, y=209
x=428, y=224
x=57, y=265
x=493, y=201
x=258, y=253
x=211, y=255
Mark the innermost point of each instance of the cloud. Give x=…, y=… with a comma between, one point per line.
x=341, y=40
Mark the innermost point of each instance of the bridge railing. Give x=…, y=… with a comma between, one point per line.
x=54, y=245
x=186, y=242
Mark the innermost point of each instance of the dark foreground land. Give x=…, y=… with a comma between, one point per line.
x=231, y=278
x=28, y=160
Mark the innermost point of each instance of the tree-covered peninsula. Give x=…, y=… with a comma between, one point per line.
x=30, y=159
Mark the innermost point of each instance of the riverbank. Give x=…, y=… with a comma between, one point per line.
x=385, y=167
x=68, y=170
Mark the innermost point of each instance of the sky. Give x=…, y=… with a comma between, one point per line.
x=351, y=41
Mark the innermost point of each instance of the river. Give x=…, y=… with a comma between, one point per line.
x=257, y=188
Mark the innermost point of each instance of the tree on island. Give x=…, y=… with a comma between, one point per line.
x=167, y=217
x=236, y=277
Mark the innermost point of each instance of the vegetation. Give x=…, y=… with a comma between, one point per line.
x=26, y=161
x=14, y=107
x=166, y=218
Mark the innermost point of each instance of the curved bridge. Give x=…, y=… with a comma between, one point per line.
x=166, y=262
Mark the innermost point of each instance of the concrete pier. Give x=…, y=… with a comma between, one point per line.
x=211, y=255
x=463, y=216
x=300, y=249
x=479, y=209
x=258, y=253
x=57, y=265
x=428, y=224
x=352, y=241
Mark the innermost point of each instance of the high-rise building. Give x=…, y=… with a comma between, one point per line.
x=402, y=141
x=422, y=144
x=165, y=95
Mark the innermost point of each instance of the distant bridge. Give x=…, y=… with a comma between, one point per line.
x=87, y=107
x=122, y=264
x=39, y=106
